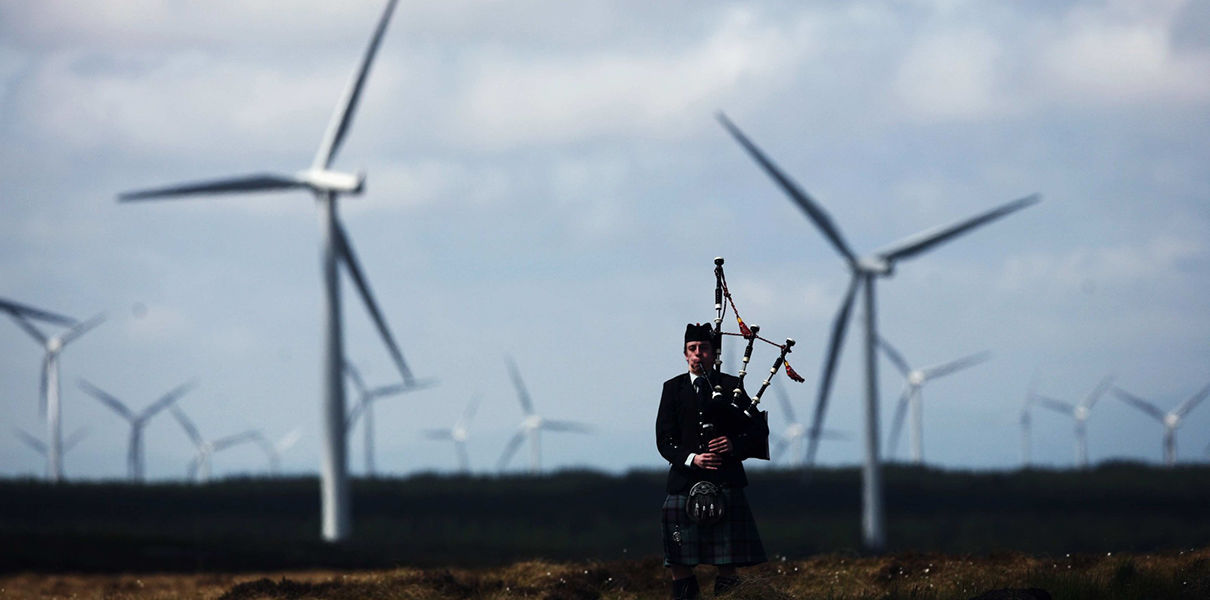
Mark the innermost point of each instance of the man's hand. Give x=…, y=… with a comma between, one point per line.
x=721, y=445
x=708, y=460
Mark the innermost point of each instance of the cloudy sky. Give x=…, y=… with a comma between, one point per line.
x=547, y=180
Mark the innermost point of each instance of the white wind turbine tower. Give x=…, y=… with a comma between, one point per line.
x=912, y=396
x=1080, y=412
x=199, y=467
x=794, y=436
x=50, y=405
x=459, y=433
x=327, y=185
x=532, y=426
x=1171, y=420
x=1026, y=421
x=43, y=448
x=134, y=456
x=366, y=396
x=864, y=273
x=274, y=450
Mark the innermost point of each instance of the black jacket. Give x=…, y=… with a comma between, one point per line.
x=678, y=427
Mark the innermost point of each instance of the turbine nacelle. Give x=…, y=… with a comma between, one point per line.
x=324, y=180
x=1171, y=420
x=460, y=434
x=876, y=265
x=916, y=378
x=532, y=422
x=1081, y=413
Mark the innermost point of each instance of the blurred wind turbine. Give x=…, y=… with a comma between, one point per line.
x=327, y=186
x=794, y=436
x=532, y=426
x=1170, y=420
x=274, y=450
x=50, y=405
x=42, y=448
x=459, y=433
x=1080, y=412
x=913, y=385
x=199, y=467
x=134, y=454
x=365, y=405
x=1026, y=421
x=864, y=273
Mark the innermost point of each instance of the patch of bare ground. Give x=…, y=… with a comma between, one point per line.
x=1177, y=575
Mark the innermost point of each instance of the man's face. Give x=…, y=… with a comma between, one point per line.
x=700, y=356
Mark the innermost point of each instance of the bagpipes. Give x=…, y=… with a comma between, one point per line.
x=723, y=300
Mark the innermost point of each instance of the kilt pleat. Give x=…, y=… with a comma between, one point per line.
x=732, y=541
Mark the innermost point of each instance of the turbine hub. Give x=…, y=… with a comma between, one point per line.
x=459, y=434
x=796, y=430
x=323, y=180
x=54, y=345
x=916, y=377
x=1171, y=421
x=875, y=265
x=1082, y=413
x=532, y=422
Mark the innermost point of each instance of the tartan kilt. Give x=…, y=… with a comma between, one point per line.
x=732, y=541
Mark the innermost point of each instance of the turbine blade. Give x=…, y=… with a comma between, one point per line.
x=167, y=399
x=402, y=388
x=106, y=399
x=527, y=404
x=509, y=449
x=894, y=355
x=343, y=116
x=235, y=439
x=29, y=440
x=1097, y=392
x=897, y=422
x=839, y=326
x=81, y=329
x=469, y=412
x=288, y=440
x=261, y=182
x=570, y=426
x=954, y=366
x=188, y=426
x=814, y=211
x=1056, y=405
x=29, y=328
x=355, y=413
x=363, y=287
x=1140, y=404
x=925, y=240
x=438, y=434
x=17, y=309
x=355, y=375
x=785, y=403
x=1193, y=401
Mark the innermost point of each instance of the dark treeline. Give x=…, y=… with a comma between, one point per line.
x=260, y=524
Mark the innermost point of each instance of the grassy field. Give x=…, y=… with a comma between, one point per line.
x=1176, y=576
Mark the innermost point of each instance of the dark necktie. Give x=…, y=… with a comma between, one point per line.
x=703, y=391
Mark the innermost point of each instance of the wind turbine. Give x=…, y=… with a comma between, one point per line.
x=50, y=404
x=199, y=467
x=43, y=448
x=1080, y=412
x=912, y=396
x=134, y=455
x=459, y=433
x=274, y=450
x=532, y=426
x=327, y=186
x=1026, y=421
x=365, y=405
x=794, y=436
x=1170, y=420
x=864, y=273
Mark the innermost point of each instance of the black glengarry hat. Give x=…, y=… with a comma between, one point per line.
x=699, y=333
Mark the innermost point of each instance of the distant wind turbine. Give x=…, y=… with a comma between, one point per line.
x=199, y=467
x=1171, y=420
x=135, y=459
x=43, y=448
x=1026, y=422
x=913, y=386
x=459, y=433
x=794, y=436
x=532, y=426
x=366, y=397
x=1080, y=412
x=327, y=186
x=50, y=404
x=274, y=450
x=864, y=273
